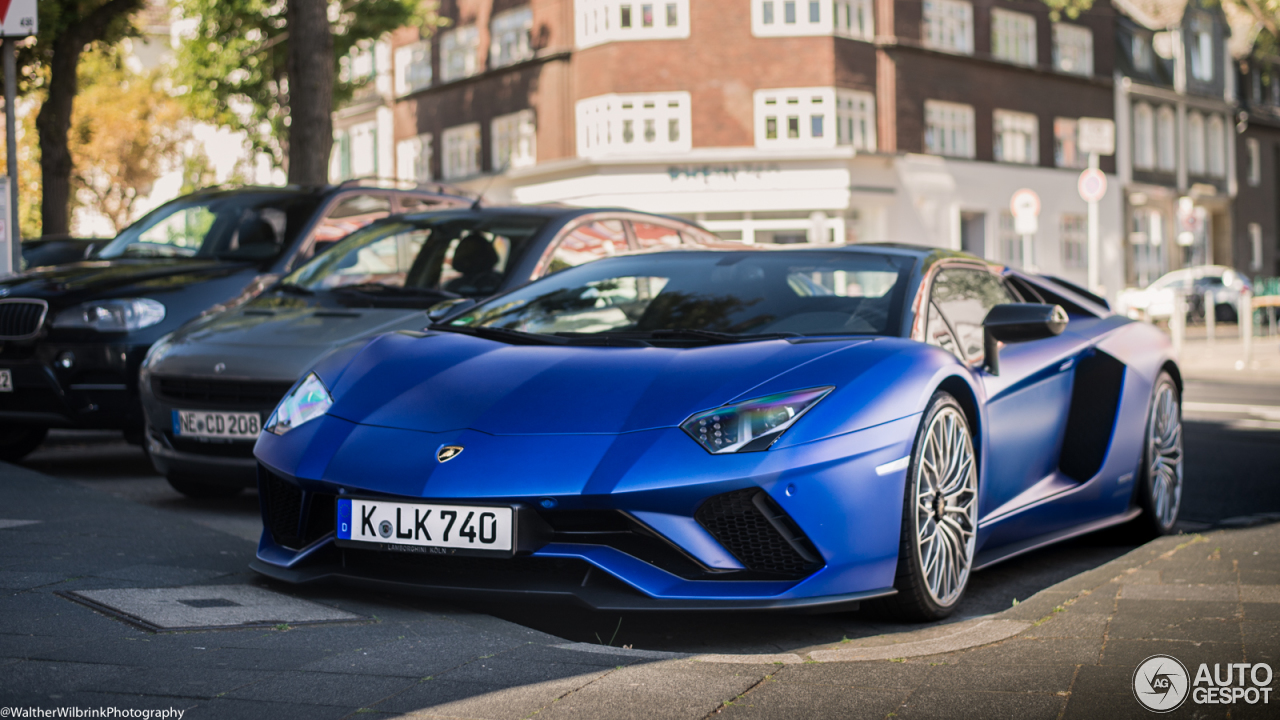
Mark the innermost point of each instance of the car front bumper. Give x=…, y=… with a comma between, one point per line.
x=72, y=385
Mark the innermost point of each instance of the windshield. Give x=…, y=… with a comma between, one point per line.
x=242, y=226
x=445, y=254
x=740, y=294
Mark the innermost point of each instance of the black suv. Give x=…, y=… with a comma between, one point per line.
x=73, y=336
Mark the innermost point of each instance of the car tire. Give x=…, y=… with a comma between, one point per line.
x=17, y=442
x=939, y=517
x=200, y=489
x=1159, y=487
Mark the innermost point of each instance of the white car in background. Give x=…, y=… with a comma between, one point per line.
x=1155, y=302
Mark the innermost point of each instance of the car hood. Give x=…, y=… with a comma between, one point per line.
x=63, y=285
x=446, y=381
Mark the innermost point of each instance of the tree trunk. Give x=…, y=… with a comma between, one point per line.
x=53, y=123
x=310, y=92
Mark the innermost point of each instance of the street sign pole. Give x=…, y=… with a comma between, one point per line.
x=14, y=261
x=1095, y=244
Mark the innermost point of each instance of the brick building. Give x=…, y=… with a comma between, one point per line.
x=773, y=120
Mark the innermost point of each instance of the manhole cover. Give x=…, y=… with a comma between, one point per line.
x=208, y=607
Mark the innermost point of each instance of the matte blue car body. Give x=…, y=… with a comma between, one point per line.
x=597, y=427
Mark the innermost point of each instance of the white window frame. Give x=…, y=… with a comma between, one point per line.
x=1197, y=163
x=617, y=124
x=846, y=18
x=413, y=158
x=364, y=149
x=413, y=67
x=854, y=19
x=1215, y=129
x=1013, y=37
x=510, y=36
x=1200, y=57
x=1166, y=139
x=459, y=50
x=948, y=26
x=1072, y=49
x=601, y=21
x=856, y=119
x=1144, y=136
x=949, y=129
x=1073, y=237
x=514, y=141
x=461, y=151
x=1016, y=137
x=1254, y=150
x=811, y=108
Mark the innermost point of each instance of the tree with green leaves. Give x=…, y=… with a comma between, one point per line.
x=267, y=68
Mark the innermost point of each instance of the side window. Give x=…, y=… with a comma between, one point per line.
x=385, y=262
x=964, y=297
x=937, y=333
x=351, y=213
x=418, y=203
x=587, y=242
x=650, y=236
x=475, y=263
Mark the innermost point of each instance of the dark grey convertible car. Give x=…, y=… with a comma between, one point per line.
x=207, y=388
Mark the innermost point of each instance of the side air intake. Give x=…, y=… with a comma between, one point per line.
x=751, y=526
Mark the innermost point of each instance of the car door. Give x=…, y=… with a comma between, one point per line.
x=1027, y=403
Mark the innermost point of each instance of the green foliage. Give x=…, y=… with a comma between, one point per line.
x=1070, y=8
x=233, y=66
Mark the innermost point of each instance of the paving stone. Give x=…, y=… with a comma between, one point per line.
x=1091, y=706
x=1128, y=653
x=311, y=688
x=25, y=646
x=1160, y=624
x=176, y=680
x=25, y=580
x=1021, y=678
x=39, y=675
x=681, y=689
x=503, y=671
x=208, y=606
x=1070, y=624
x=411, y=657
x=441, y=697
x=1261, y=612
x=786, y=701
x=1204, y=593
x=222, y=708
x=951, y=705
x=1022, y=651
x=875, y=674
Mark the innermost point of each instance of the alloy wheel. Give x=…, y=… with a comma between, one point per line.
x=946, y=506
x=1164, y=455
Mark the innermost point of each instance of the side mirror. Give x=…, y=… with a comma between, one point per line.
x=1018, y=322
x=445, y=308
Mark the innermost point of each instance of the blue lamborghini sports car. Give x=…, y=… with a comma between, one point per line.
x=721, y=429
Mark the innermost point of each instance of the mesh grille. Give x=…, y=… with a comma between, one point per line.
x=236, y=393
x=283, y=501
x=736, y=521
x=21, y=318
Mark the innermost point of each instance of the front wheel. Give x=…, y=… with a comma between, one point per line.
x=939, y=516
x=1160, y=488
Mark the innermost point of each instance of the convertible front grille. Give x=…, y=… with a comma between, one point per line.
x=233, y=393
x=21, y=319
x=283, y=505
x=758, y=533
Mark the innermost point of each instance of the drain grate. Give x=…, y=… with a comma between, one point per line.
x=207, y=607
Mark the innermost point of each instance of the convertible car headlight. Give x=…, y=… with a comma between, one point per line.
x=306, y=402
x=752, y=425
x=125, y=315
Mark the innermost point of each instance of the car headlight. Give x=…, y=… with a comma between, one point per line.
x=124, y=315
x=306, y=402
x=752, y=425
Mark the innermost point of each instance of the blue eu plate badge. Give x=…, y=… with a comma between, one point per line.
x=344, y=519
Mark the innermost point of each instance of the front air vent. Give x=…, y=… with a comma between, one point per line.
x=21, y=319
x=758, y=533
x=282, y=505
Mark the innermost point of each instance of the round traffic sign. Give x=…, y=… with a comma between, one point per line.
x=1025, y=203
x=1092, y=185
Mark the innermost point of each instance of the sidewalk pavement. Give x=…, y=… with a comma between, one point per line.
x=1223, y=359
x=1069, y=651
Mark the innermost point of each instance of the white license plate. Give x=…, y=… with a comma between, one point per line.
x=6, y=381
x=430, y=526
x=216, y=424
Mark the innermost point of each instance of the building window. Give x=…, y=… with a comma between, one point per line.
x=1075, y=237
x=1013, y=37
x=509, y=33
x=1066, y=148
x=1017, y=137
x=458, y=50
x=1010, y=240
x=635, y=124
x=948, y=25
x=413, y=67
x=1216, y=146
x=1255, y=161
x=856, y=120
x=1195, y=143
x=1166, y=140
x=601, y=21
x=1072, y=49
x=413, y=159
x=514, y=139
x=1144, y=137
x=461, y=151
x=948, y=129
x=364, y=149
x=854, y=19
x=1200, y=42
x=1140, y=52
x=1255, y=247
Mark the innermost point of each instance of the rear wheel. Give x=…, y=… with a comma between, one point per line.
x=17, y=442
x=939, y=516
x=1160, y=490
x=200, y=489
